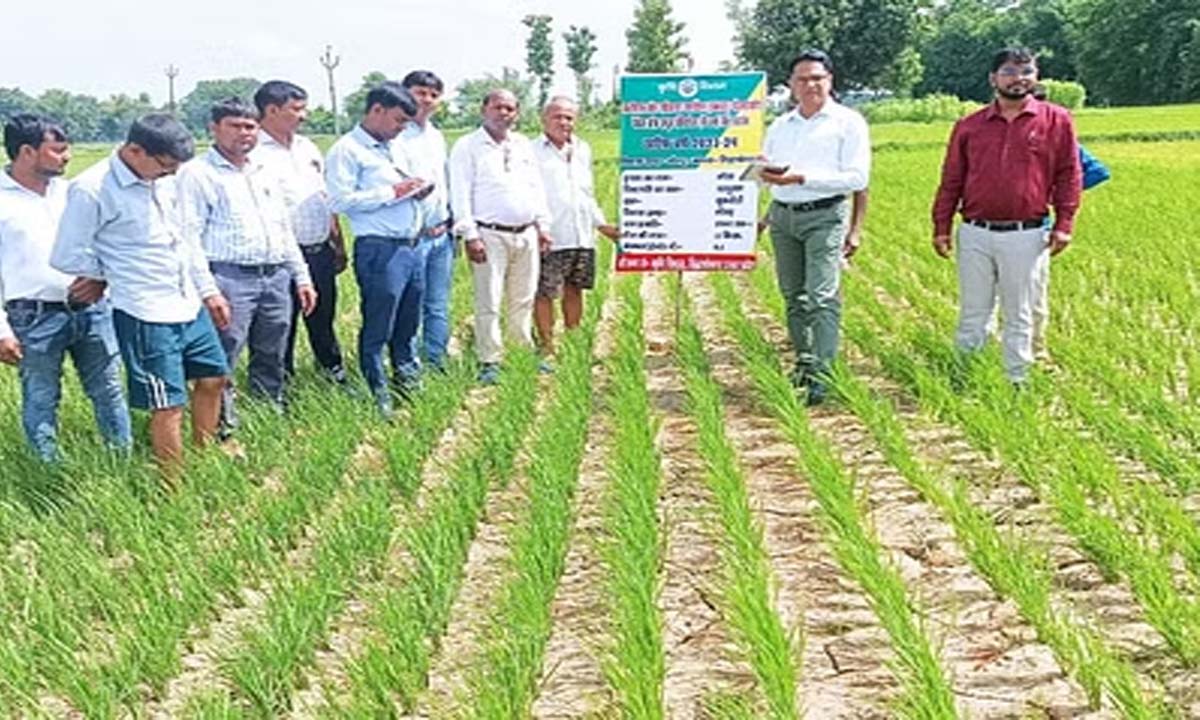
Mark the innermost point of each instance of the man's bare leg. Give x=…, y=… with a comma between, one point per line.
x=572, y=305
x=543, y=318
x=166, y=439
x=206, y=408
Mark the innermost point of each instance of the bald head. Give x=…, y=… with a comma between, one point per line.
x=558, y=119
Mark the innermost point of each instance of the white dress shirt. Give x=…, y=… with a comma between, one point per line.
x=120, y=228
x=421, y=150
x=238, y=215
x=28, y=226
x=831, y=149
x=570, y=192
x=495, y=182
x=300, y=170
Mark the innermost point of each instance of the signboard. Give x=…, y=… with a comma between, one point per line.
x=687, y=143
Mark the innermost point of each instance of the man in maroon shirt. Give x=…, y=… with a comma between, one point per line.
x=1005, y=165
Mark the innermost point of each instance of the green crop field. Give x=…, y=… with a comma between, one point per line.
x=660, y=529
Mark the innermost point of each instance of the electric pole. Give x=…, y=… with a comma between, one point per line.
x=172, y=72
x=329, y=62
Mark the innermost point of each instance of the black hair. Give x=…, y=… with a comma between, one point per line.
x=423, y=78
x=1014, y=55
x=277, y=93
x=812, y=55
x=487, y=98
x=30, y=129
x=162, y=134
x=391, y=94
x=233, y=107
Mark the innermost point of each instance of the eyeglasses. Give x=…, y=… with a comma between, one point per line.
x=1023, y=71
x=169, y=166
x=809, y=78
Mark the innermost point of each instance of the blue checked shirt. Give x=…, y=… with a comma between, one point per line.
x=120, y=228
x=360, y=173
x=238, y=215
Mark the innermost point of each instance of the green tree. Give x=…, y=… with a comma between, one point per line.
x=353, y=106
x=539, y=54
x=469, y=95
x=79, y=114
x=14, y=101
x=319, y=121
x=1137, y=52
x=581, y=46
x=866, y=39
x=118, y=112
x=655, y=40
x=195, y=108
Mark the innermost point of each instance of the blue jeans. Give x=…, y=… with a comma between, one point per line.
x=389, y=281
x=46, y=337
x=437, y=266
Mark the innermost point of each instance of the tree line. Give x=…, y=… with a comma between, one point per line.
x=1125, y=52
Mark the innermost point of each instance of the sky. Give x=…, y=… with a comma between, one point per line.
x=103, y=47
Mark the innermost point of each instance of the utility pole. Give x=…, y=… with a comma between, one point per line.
x=329, y=62
x=172, y=72
x=616, y=82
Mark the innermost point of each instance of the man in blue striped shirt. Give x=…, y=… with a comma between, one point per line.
x=381, y=201
x=234, y=208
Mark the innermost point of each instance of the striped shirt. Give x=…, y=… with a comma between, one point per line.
x=301, y=172
x=421, y=150
x=120, y=228
x=238, y=215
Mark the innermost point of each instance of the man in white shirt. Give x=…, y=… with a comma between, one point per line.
x=121, y=225
x=818, y=153
x=570, y=267
x=422, y=149
x=296, y=161
x=234, y=208
x=500, y=210
x=44, y=314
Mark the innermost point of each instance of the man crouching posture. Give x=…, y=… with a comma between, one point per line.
x=120, y=225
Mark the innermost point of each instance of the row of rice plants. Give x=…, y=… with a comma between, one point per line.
x=407, y=618
x=1014, y=567
x=633, y=661
x=1056, y=463
x=925, y=691
x=746, y=593
x=503, y=681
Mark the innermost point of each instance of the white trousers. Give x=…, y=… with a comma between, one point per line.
x=1008, y=264
x=510, y=274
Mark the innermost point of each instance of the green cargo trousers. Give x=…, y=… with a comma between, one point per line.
x=808, y=257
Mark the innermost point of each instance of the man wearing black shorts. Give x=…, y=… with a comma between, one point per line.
x=570, y=267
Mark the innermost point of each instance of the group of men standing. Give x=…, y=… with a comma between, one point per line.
x=1006, y=165
x=176, y=274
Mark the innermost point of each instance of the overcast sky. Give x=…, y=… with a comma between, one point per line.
x=102, y=47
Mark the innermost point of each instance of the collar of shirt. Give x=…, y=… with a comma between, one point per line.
x=1030, y=107
x=368, y=140
x=826, y=110
x=123, y=174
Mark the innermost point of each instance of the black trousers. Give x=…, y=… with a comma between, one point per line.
x=321, y=336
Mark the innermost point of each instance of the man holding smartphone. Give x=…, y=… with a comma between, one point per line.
x=381, y=201
x=817, y=155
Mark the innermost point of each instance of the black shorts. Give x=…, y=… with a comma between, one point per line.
x=574, y=266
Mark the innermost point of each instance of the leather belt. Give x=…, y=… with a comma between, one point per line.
x=1007, y=225
x=500, y=227
x=40, y=306
x=821, y=204
x=405, y=241
x=314, y=248
x=262, y=270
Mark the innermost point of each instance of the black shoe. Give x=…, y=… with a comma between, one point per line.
x=818, y=393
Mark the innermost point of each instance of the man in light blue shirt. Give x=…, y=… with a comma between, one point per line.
x=121, y=225
x=382, y=203
x=423, y=149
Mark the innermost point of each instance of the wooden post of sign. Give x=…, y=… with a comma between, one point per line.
x=678, y=299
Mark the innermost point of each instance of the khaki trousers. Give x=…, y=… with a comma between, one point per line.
x=510, y=273
x=1008, y=264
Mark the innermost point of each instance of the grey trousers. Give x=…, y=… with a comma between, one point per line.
x=808, y=256
x=260, y=301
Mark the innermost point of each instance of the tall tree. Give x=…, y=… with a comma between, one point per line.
x=864, y=38
x=581, y=46
x=469, y=95
x=655, y=39
x=14, y=101
x=118, y=112
x=539, y=53
x=197, y=104
x=79, y=114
